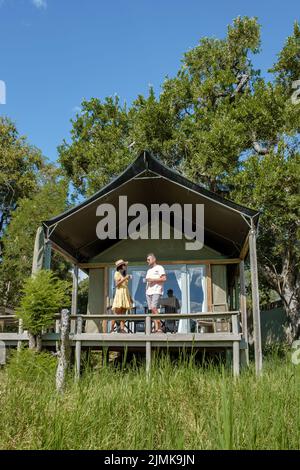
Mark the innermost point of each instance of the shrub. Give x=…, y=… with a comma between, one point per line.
x=43, y=295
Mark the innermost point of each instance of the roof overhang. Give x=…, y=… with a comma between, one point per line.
x=148, y=181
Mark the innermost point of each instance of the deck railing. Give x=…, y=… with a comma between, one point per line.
x=146, y=339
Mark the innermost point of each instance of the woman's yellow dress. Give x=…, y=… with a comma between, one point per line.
x=122, y=297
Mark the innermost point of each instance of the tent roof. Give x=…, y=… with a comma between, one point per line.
x=148, y=181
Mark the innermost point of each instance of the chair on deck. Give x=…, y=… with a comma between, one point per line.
x=221, y=325
x=211, y=325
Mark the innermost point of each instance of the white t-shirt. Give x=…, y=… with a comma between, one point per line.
x=155, y=273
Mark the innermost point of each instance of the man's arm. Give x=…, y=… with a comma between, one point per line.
x=162, y=278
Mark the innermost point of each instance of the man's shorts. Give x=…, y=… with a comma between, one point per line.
x=153, y=300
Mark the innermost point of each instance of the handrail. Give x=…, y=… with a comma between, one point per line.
x=8, y=317
x=162, y=316
x=143, y=316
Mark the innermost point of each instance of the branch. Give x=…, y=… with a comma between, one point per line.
x=272, y=277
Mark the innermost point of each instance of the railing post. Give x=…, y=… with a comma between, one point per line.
x=74, y=297
x=148, y=346
x=243, y=309
x=235, y=347
x=78, y=348
x=20, y=332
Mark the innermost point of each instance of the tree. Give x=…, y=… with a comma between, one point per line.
x=20, y=164
x=43, y=295
x=100, y=145
x=18, y=241
x=222, y=124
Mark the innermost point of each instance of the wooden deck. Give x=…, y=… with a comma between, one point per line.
x=144, y=341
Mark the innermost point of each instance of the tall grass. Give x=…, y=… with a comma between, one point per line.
x=183, y=406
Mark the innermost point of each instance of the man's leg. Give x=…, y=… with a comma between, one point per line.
x=149, y=303
x=155, y=302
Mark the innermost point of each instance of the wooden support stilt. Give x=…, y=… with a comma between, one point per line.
x=235, y=347
x=243, y=309
x=148, y=347
x=78, y=349
x=74, y=296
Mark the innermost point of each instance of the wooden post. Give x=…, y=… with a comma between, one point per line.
x=105, y=300
x=243, y=309
x=255, y=300
x=74, y=296
x=20, y=332
x=148, y=347
x=209, y=288
x=78, y=349
x=65, y=351
x=235, y=347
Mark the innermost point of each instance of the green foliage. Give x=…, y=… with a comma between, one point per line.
x=43, y=296
x=99, y=148
x=18, y=241
x=183, y=406
x=83, y=293
x=27, y=366
x=287, y=67
x=19, y=163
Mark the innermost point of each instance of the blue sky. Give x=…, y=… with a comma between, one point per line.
x=54, y=53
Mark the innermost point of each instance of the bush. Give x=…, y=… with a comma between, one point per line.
x=42, y=296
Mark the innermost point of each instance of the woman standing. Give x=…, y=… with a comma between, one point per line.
x=122, y=300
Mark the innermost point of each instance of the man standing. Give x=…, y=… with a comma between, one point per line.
x=155, y=278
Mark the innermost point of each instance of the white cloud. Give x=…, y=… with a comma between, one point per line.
x=40, y=3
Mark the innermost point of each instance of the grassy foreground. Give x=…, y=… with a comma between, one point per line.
x=183, y=407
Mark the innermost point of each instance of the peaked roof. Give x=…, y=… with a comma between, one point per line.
x=74, y=231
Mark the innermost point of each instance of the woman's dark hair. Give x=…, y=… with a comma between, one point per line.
x=122, y=269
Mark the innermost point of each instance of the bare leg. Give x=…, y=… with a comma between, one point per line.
x=157, y=323
x=121, y=311
x=112, y=326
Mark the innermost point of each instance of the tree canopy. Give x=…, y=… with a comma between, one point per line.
x=20, y=164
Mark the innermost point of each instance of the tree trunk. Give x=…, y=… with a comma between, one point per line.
x=287, y=285
x=291, y=305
